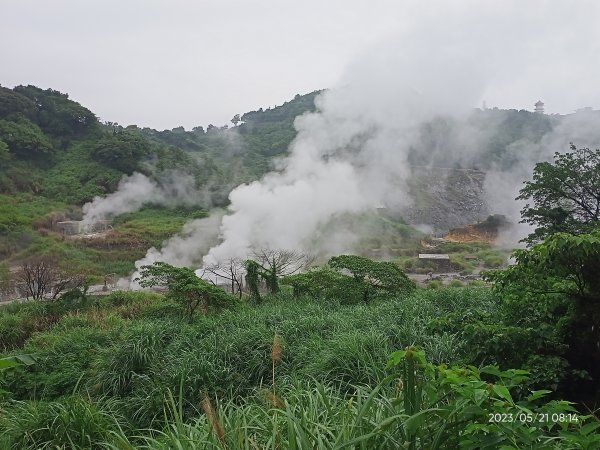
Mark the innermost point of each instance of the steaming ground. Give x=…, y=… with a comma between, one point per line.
x=353, y=153
x=170, y=188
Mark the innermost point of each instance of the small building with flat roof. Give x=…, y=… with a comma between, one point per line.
x=438, y=261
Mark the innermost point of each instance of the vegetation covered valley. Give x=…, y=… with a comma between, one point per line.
x=349, y=352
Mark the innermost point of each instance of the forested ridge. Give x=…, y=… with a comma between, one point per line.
x=55, y=156
x=288, y=353
x=43, y=130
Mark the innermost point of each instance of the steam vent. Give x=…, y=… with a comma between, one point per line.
x=77, y=227
x=539, y=107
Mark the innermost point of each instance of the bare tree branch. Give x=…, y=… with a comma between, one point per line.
x=42, y=277
x=231, y=270
x=283, y=262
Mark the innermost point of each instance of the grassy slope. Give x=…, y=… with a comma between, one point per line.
x=27, y=216
x=107, y=369
x=228, y=156
x=136, y=346
x=36, y=193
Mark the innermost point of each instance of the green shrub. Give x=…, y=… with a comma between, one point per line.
x=435, y=284
x=351, y=357
x=73, y=423
x=419, y=406
x=117, y=366
x=63, y=359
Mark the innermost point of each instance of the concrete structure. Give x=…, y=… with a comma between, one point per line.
x=440, y=261
x=70, y=227
x=75, y=227
x=434, y=256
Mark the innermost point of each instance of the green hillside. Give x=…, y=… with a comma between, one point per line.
x=54, y=147
x=350, y=354
x=55, y=156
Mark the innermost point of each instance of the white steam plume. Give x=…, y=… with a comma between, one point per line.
x=352, y=153
x=137, y=189
x=502, y=186
x=187, y=247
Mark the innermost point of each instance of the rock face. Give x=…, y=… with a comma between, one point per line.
x=446, y=198
x=486, y=231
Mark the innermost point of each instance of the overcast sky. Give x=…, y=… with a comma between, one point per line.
x=162, y=63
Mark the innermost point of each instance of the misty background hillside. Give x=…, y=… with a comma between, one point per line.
x=304, y=225
x=56, y=157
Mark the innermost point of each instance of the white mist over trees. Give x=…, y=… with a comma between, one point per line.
x=135, y=190
x=352, y=154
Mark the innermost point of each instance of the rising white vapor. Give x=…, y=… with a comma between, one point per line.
x=351, y=154
x=137, y=189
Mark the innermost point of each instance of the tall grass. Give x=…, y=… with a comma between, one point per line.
x=73, y=423
x=231, y=354
x=286, y=374
x=311, y=415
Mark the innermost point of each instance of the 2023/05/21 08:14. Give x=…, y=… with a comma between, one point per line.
x=531, y=417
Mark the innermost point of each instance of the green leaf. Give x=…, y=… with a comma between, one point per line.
x=395, y=358
x=588, y=428
x=502, y=392
x=538, y=394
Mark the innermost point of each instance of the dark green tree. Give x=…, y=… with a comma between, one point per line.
x=564, y=195
x=252, y=280
x=327, y=284
x=57, y=115
x=185, y=287
x=122, y=150
x=376, y=276
x=563, y=270
x=25, y=139
x=14, y=103
x=4, y=152
x=350, y=279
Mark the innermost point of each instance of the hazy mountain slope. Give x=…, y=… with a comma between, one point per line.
x=54, y=149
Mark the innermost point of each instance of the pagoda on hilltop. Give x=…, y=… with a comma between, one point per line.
x=539, y=107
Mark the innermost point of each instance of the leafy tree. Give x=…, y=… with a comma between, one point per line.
x=4, y=152
x=563, y=261
x=25, y=139
x=252, y=279
x=350, y=279
x=13, y=103
x=56, y=114
x=565, y=194
x=376, y=276
x=169, y=157
x=326, y=283
x=122, y=150
x=563, y=266
x=185, y=287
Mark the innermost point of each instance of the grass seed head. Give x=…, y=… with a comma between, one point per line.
x=276, y=348
x=213, y=419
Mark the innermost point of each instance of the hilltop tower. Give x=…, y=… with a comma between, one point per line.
x=539, y=107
